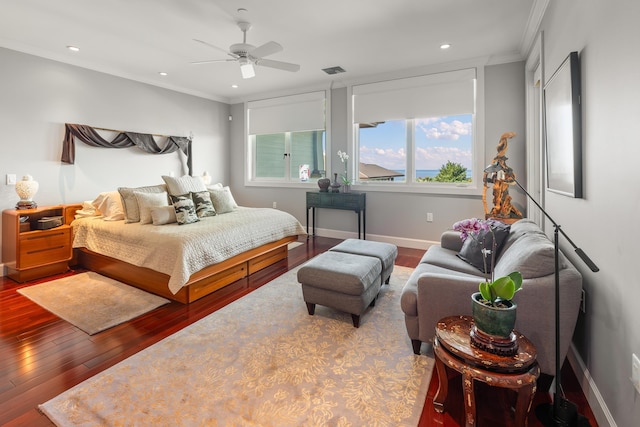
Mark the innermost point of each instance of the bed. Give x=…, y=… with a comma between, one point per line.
x=185, y=262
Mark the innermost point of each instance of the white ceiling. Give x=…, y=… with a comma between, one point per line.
x=137, y=39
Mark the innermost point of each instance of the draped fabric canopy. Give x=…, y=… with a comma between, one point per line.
x=143, y=141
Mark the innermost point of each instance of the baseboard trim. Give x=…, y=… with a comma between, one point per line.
x=398, y=241
x=590, y=389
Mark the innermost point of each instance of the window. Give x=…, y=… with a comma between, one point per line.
x=287, y=138
x=418, y=132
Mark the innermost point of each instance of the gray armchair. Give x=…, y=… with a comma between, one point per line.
x=442, y=284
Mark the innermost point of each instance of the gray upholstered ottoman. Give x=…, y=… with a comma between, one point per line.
x=342, y=281
x=385, y=252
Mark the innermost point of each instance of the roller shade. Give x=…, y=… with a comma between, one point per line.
x=433, y=95
x=287, y=114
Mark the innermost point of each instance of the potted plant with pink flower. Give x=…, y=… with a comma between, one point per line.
x=494, y=312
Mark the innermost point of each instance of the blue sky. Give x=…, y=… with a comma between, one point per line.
x=438, y=140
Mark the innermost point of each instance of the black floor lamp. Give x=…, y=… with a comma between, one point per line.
x=561, y=412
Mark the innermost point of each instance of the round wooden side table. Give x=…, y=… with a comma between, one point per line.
x=453, y=350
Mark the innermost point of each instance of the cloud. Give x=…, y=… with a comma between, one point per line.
x=438, y=129
x=435, y=157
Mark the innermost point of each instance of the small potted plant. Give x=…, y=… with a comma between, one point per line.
x=346, y=182
x=494, y=312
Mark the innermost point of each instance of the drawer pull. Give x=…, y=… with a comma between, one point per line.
x=53, y=248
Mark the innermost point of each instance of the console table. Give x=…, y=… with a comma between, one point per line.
x=353, y=201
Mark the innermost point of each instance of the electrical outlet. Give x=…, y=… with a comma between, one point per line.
x=275, y=205
x=11, y=179
x=429, y=217
x=635, y=372
x=583, y=302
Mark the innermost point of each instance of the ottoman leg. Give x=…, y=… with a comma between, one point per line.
x=311, y=308
x=356, y=320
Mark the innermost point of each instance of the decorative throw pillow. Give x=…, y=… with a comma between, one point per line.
x=185, y=211
x=130, y=203
x=184, y=184
x=147, y=201
x=222, y=200
x=109, y=205
x=163, y=215
x=204, y=206
x=471, y=251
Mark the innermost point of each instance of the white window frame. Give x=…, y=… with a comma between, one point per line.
x=250, y=179
x=410, y=186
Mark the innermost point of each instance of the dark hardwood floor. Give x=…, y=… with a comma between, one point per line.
x=42, y=355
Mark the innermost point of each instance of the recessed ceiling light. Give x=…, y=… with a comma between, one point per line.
x=234, y=86
x=73, y=48
x=445, y=46
x=162, y=73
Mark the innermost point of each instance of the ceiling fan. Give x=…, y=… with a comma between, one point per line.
x=248, y=55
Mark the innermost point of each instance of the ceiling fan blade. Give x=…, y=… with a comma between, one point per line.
x=286, y=66
x=266, y=49
x=210, y=61
x=216, y=47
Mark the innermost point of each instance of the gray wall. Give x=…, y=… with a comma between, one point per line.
x=398, y=217
x=38, y=96
x=606, y=35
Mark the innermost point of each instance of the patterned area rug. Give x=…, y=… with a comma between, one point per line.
x=263, y=361
x=92, y=302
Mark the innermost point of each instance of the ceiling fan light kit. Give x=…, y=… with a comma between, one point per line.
x=248, y=55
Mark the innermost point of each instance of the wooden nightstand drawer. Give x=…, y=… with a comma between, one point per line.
x=44, y=247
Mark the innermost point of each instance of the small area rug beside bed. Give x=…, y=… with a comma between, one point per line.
x=263, y=361
x=92, y=302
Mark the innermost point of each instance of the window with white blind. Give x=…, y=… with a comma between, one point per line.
x=418, y=132
x=286, y=138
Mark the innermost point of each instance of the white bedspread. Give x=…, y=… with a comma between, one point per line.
x=181, y=250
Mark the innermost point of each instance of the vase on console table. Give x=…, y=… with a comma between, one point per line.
x=335, y=185
x=324, y=184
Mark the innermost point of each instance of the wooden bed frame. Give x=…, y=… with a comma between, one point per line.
x=200, y=284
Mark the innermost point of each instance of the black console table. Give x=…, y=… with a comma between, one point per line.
x=353, y=201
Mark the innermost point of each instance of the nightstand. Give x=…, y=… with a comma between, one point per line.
x=30, y=253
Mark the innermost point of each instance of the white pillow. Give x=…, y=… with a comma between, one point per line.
x=130, y=203
x=222, y=200
x=163, y=215
x=148, y=201
x=87, y=210
x=109, y=205
x=184, y=185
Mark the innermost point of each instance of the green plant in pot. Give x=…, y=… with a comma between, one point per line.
x=494, y=312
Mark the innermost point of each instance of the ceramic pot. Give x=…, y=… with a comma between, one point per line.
x=335, y=185
x=346, y=188
x=492, y=328
x=324, y=184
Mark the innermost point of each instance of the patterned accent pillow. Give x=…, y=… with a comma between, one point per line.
x=204, y=206
x=185, y=211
